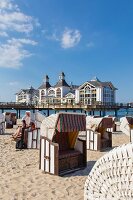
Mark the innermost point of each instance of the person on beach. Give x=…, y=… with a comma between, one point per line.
x=18, y=132
x=30, y=128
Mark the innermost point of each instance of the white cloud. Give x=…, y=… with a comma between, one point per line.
x=12, y=53
x=3, y=34
x=7, y=5
x=19, y=42
x=12, y=19
x=14, y=22
x=70, y=38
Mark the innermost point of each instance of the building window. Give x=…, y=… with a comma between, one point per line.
x=51, y=93
x=58, y=93
x=42, y=94
x=87, y=90
x=88, y=95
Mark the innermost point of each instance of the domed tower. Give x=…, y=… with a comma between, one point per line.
x=61, y=87
x=62, y=76
x=46, y=80
x=44, y=88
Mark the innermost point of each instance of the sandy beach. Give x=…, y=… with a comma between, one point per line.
x=21, y=179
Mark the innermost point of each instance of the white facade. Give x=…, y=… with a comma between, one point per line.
x=95, y=92
x=89, y=93
x=53, y=94
x=27, y=96
x=99, y=94
x=69, y=98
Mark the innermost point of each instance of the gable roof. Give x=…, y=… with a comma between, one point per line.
x=97, y=83
x=31, y=90
x=70, y=93
x=103, y=84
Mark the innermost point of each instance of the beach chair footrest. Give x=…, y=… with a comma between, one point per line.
x=70, y=160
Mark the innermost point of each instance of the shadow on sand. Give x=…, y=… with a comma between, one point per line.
x=82, y=172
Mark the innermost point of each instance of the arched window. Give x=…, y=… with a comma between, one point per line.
x=42, y=94
x=51, y=93
x=58, y=92
x=87, y=90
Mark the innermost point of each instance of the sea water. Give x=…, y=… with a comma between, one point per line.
x=120, y=113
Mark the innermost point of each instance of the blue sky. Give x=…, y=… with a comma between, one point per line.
x=81, y=38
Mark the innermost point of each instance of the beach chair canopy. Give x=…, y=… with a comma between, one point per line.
x=114, y=119
x=9, y=116
x=61, y=151
x=98, y=123
x=126, y=123
x=38, y=116
x=63, y=122
x=130, y=121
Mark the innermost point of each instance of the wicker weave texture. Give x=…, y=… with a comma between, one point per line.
x=111, y=178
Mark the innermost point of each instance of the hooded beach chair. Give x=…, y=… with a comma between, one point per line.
x=38, y=118
x=10, y=119
x=33, y=134
x=61, y=151
x=98, y=137
x=111, y=178
x=114, y=120
x=126, y=126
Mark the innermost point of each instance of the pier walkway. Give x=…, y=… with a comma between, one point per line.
x=102, y=108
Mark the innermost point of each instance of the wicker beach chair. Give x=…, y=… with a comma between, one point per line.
x=10, y=119
x=61, y=151
x=99, y=132
x=126, y=126
x=33, y=138
x=38, y=118
x=111, y=178
x=33, y=135
x=113, y=126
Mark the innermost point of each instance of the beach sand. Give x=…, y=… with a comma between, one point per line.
x=21, y=179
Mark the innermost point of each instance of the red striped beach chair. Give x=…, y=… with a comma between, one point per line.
x=61, y=151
